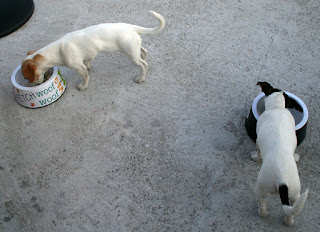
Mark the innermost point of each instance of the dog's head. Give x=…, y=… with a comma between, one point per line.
x=31, y=68
x=267, y=88
x=289, y=102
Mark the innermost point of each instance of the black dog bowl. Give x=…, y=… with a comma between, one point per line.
x=13, y=14
x=301, y=118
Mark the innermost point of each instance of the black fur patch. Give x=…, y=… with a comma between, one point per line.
x=291, y=103
x=267, y=88
x=284, y=194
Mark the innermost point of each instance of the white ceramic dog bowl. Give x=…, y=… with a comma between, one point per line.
x=39, y=95
x=301, y=118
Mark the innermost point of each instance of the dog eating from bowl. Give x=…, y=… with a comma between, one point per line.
x=77, y=49
x=276, y=144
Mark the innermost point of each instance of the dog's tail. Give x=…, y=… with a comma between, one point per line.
x=162, y=23
x=291, y=211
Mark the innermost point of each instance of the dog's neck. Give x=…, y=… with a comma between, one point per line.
x=275, y=100
x=46, y=53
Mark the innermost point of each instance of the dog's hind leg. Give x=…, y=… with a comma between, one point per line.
x=143, y=53
x=87, y=64
x=135, y=54
x=262, y=206
x=144, y=66
x=262, y=210
x=289, y=219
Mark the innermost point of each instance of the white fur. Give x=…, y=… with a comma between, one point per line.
x=276, y=145
x=77, y=49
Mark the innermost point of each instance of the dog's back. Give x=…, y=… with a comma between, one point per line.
x=276, y=128
x=276, y=143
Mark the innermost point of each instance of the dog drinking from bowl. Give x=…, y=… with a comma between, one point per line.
x=77, y=49
x=276, y=145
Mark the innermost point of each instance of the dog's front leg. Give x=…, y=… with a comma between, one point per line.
x=255, y=155
x=83, y=72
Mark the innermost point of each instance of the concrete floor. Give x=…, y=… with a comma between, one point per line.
x=171, y=154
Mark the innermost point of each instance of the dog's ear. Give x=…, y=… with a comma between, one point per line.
x=31, y=52
x=291, y=103
x=267, y=88
x=29, y=70
x=38, y=58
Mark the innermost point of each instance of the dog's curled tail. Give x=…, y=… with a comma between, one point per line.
x=291, y=211
x=162, y=23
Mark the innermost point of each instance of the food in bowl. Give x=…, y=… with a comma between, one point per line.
x=36, y=96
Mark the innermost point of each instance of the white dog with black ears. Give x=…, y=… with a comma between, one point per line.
x=77, y=49
x=276, y=145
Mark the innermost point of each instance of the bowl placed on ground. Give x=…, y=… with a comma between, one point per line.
x=36, y=96
x=257, y=108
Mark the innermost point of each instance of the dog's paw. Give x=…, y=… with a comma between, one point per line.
x=139, y=80
x=255, y=156
x=81, y=87
x=88, y=65
x=288, y=220
x=263, y=212
x=296, y=157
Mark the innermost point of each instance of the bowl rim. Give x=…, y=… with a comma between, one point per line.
x=38, y=87
x=297, y=99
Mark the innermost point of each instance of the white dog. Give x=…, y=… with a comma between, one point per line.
x=276, y=145
x=77, y=49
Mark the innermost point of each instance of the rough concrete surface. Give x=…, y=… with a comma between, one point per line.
x=171, y=154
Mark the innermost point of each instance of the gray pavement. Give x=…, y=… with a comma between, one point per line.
x=171, y=154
